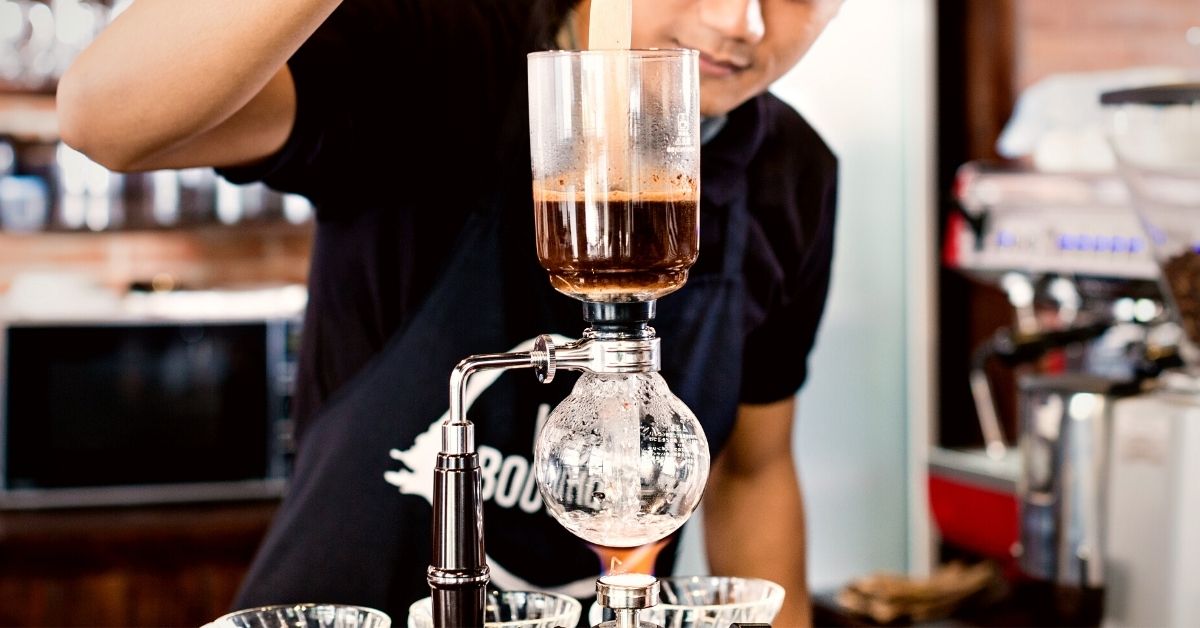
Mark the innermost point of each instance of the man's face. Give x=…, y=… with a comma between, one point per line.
x=744, y=45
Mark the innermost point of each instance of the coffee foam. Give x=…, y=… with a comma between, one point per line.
x=653, y=187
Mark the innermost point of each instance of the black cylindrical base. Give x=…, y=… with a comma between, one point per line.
x=459, y=607
x=618, y=317
x=459, y=574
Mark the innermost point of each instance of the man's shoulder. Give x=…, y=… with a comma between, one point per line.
x=788, y=133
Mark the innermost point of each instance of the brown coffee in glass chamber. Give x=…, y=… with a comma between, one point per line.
x=619, y=248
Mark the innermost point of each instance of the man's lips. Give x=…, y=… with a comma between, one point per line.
x=718, y=68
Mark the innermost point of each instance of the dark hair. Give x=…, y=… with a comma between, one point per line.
x=549, y=16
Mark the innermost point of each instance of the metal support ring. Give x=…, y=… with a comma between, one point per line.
x=545, y=362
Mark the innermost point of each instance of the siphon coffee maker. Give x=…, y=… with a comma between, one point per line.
x=621, y=462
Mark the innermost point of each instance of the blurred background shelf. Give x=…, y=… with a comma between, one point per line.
x=28, y=116
x=199, y=258
x=145, y=566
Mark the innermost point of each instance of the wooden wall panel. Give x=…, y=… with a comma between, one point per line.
x=145, y=566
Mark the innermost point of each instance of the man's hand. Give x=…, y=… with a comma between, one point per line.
x=753, y=511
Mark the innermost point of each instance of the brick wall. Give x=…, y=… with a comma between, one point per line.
x=1054, y=36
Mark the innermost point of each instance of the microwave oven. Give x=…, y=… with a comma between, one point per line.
x=137, y=412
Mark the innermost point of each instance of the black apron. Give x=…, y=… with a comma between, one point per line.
x=355, y=525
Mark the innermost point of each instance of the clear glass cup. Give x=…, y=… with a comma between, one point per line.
x=303, y=616
x=615, y=147
x=512, y=609
x=707, y=602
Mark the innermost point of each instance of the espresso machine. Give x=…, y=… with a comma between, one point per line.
x=1067, y=253
x=1109, y=491
x=615, y=154
x=1104, y=479
x=1152, y=524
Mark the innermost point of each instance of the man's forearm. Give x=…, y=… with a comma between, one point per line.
x=164, y=72
x=754, y=526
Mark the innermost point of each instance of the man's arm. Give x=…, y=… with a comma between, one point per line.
x=172, y=84
x=753, y=510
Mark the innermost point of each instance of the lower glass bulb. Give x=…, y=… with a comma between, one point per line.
x=621, y=462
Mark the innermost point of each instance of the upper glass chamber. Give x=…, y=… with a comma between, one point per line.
x=615, y=146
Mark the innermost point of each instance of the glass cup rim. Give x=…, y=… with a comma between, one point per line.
x=641, y=53
x=774, y=591
x=518, y=622
x=301, y=605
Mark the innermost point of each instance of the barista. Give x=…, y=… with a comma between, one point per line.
x=404, y=121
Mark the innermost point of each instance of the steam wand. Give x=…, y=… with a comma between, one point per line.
x=619, y=341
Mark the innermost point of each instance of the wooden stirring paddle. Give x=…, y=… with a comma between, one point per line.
x=610, y=25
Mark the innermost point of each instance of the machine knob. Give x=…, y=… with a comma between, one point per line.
x=544, y=358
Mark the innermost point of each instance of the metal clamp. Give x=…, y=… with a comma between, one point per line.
x=544, y=358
